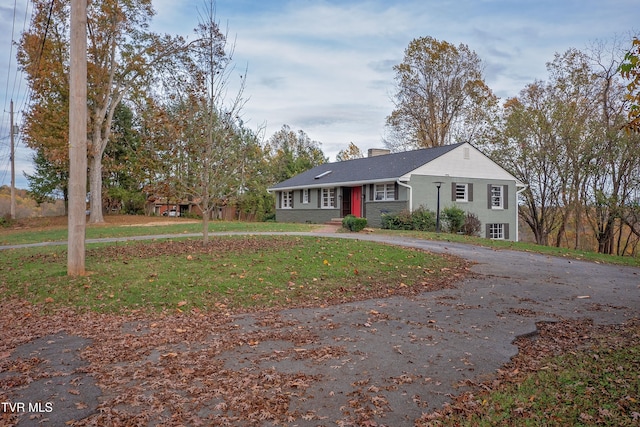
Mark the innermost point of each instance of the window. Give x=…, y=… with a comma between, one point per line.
x=462, y=192
x=496, y=197
x=305, y=195
x=328, y=197
x=496, y=231
x=287, y=199
x=385, y=192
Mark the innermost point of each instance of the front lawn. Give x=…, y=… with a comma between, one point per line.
x=236, y=273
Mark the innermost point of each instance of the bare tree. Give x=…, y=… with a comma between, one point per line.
x=211, y=142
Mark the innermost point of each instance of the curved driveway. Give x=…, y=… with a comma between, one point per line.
x=405, y=356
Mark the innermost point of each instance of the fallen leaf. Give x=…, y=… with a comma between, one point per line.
x=171, y=354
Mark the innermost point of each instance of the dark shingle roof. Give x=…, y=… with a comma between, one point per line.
x=368, y=169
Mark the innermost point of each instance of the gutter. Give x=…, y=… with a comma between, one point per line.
x=410, y=194
x=524, y=187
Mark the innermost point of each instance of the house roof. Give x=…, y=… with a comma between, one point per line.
x=388, y=167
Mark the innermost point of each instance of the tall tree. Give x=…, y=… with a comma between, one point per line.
x=630, y=71
x=440, y=96
x=613, y=182
x=122, y=54
x=292, y=153
x=349, y=153
x=527, y=147
x=49, y=180
x=211, y=142
x=123, y=176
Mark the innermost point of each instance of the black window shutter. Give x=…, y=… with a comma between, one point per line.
x=279, y=197
x=395, y=191
x=470, y=191
x=301, y=193
x=505, y=196
x=371, y=196
x=489, y=205
x=319, y=190
x=293, y=199
x=486, y=232
x=453, y=191
x=506, y=230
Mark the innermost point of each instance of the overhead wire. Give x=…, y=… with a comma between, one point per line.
x=6, y=159
x=22, y=101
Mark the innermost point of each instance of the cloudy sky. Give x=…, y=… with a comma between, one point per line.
x=326, y=66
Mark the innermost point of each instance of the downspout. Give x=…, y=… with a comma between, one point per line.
x=518, y=213
x=410, y=194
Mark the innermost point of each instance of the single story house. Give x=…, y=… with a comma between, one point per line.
x=458, y=174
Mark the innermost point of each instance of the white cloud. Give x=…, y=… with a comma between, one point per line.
x=325, y=66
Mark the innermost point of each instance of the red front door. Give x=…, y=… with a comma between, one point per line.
x=356, y=201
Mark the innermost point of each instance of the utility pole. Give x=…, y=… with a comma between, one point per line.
x=77, y=218
x=13, y=164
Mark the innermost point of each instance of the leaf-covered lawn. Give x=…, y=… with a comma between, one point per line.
x=236, y=273
x=573, y=373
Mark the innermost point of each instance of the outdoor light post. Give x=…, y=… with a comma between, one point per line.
x=438, y=185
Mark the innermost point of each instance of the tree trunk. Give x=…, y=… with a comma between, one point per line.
x=95, y=187
x=205, y=227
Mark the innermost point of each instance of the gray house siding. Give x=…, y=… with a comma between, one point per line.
x=375, y=210
x=478, y=199
x=311, y=216
x=409, y=182
x=311, y=212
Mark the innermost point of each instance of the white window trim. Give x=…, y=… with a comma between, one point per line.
x=305, y=196
x=496, y=231
x=388, y=192
x=328, y=198
x=500, y=189
x=466, y=192
x=286, y=199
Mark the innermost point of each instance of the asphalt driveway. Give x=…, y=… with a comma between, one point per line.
x=394, y=358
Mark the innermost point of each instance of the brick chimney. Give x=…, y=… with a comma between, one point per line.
x=377, y=152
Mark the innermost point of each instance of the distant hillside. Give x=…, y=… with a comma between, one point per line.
x=26, y=207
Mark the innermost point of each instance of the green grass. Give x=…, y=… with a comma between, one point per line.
x=595, y=386
x=522, y=246
x=234, y=273
x=59, y=234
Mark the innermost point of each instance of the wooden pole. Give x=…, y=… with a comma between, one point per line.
x=77, y=217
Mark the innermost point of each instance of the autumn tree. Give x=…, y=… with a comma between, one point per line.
x=292, y=153
x=613, y=185
x=526, y=148
x=441, y=95
x=46, y=121
x=349, y=153
x=564, y=138
x=122, y=56
x=630, y=70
